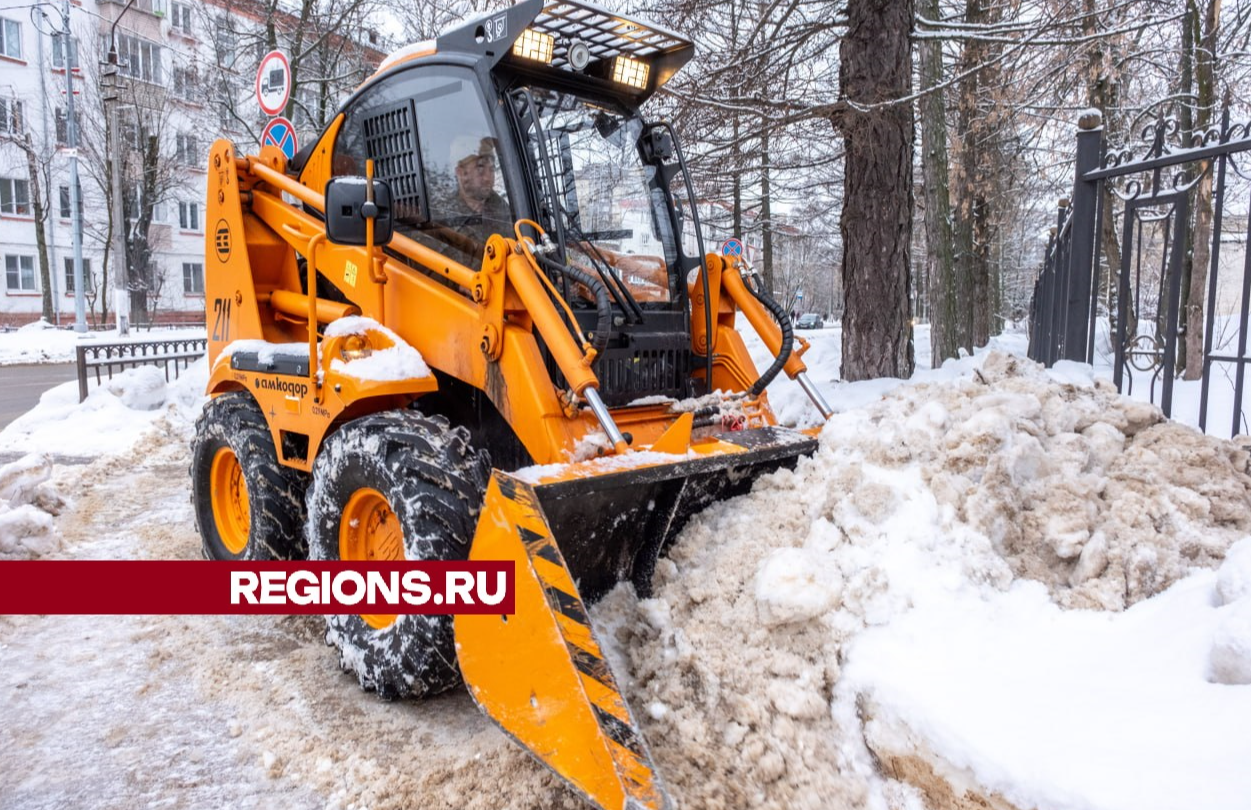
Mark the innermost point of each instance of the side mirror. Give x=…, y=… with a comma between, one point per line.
x=657, y=145
x=348, y=206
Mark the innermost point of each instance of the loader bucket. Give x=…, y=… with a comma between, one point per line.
x=540, y=673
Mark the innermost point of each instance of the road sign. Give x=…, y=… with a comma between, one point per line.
x=800, y=295
x=281, y=134
x=273, y=82
x=732, y=247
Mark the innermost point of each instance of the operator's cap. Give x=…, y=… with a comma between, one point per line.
x=471, y=147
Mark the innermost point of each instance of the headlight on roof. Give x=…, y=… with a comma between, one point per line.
x=630, y=71
x=534, y=45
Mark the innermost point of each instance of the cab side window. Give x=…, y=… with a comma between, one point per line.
x=444, y=173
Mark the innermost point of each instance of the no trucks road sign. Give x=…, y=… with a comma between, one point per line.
x=281, y=134
x=273, y=82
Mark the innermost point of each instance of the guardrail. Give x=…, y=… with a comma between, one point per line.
x=174, y=354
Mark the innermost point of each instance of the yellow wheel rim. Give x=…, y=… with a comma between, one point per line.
x=230, y=501
x=370, y=532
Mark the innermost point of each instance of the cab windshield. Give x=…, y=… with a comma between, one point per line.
x=612, y=211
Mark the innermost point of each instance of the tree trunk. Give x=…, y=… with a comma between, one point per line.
x=1205, y=81
x=969, y=155
x=980, y=264
x=875, y=68
x=939, y=240
x=41, y=237
x=1189, y=22
x=766, y=214
x=736, y=171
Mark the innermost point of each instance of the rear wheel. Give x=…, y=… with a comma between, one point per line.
x=395, y=486
x=247, y=505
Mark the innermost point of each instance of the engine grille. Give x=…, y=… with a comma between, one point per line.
x=651, y=365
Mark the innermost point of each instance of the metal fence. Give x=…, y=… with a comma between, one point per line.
x=1153, y=188
x=174, y=355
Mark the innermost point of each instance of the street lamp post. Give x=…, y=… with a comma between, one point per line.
x=71, y=137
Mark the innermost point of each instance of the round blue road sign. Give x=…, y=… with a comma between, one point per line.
x=732, y=247
x=281, y=134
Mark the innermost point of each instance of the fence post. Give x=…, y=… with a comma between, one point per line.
x=1059, y=284
x=80, y=355
x=1084, y=227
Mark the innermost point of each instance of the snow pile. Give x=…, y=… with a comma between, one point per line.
x=604, y=465
x=990, y=501
x=1090, y=493
x=266, y=352
x=41, y=342
x=1231, y=644
x=824, y=361
x=28, y=504
x=1007, y=694
x=114, y=415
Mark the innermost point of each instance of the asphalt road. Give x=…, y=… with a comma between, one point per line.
x=21, y=386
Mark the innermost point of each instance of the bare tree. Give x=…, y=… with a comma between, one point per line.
x=875, y=119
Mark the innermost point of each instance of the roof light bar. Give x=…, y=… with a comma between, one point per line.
x=629, y=71
x=535, y=45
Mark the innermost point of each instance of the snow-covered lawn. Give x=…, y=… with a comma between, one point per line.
x=39, y=342
x=991, y=578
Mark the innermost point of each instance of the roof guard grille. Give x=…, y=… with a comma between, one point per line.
x=605, y=34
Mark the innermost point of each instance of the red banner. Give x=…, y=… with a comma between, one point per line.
x=201, y=587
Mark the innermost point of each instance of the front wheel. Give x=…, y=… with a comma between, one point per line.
x=397, y=485
x=247, y=505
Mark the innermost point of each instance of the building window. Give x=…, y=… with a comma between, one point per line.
x=58, y=51
x=64, y=200
x=186, y=151
x=192, y=278
x=184, y=81
x=19, y=273
x=180, y=17
x=189, y=216
x=10, y=38
x=11, y=113
x=224, y=40
x=138, y=58
x=14, y=196
x=89, y=282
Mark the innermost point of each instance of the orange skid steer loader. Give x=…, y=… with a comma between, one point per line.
x=474, y=320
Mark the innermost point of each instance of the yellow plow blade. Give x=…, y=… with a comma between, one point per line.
x=540, y=674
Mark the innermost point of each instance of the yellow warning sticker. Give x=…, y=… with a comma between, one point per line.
x=349, y=274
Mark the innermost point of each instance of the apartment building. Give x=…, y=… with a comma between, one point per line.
x=188, y=70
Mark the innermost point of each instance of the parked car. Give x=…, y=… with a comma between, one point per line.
x=810, y=320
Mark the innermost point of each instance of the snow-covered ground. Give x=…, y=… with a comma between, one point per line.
x=991, y=578
x=40, y=342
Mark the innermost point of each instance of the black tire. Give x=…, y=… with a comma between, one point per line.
x=433, y=481
x=275, y=494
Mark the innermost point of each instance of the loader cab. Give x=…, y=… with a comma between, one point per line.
x=533, y=113
x=430, y=132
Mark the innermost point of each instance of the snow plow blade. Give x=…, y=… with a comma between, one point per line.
x=540, y=674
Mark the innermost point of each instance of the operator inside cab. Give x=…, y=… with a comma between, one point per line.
x=478, y=210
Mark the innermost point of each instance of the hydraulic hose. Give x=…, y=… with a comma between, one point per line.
x=788, y=337
x=603, y=305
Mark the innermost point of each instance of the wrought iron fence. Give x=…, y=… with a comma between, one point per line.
x=1151, y=189
x=173, y=354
